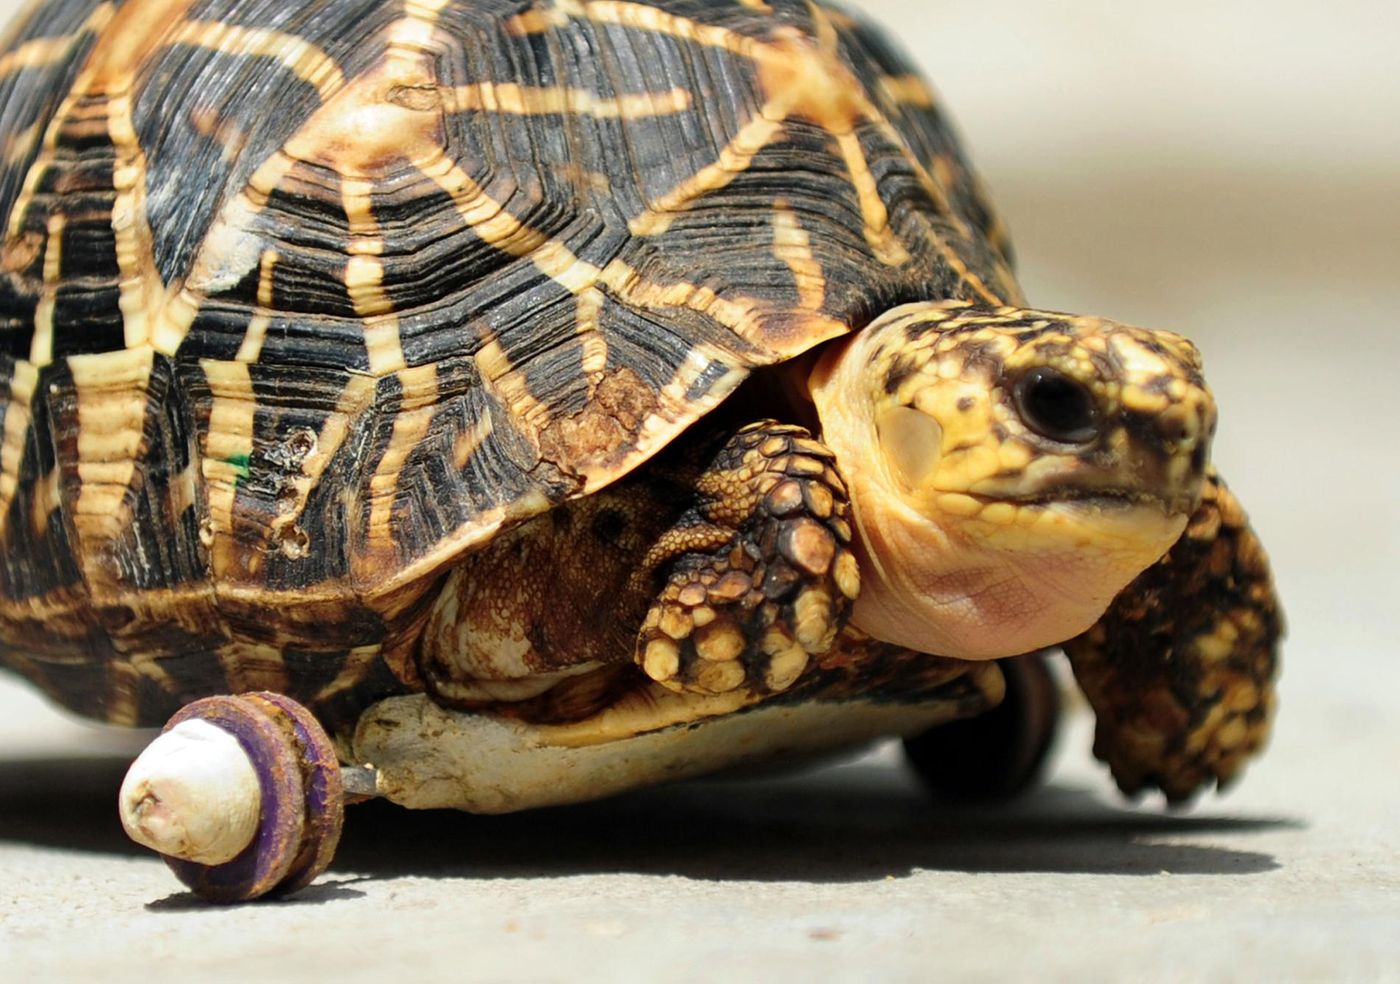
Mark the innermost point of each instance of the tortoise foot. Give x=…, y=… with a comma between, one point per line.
x=241, y=795
x=759, y=577
x=1182, y=669
x=998, y=755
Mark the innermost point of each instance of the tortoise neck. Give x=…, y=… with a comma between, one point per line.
x=779, y=392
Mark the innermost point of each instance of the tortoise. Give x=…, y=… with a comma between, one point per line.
x=498, y=403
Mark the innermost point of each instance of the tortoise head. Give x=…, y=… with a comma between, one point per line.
x=1010, y=471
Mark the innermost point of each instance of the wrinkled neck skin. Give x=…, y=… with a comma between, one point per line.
x=946, y=588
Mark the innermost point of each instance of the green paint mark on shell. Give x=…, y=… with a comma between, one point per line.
x=240, y=462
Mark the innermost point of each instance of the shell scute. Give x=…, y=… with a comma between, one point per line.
x=298, y=303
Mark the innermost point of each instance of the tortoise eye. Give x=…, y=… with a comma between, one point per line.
x=1056, y=406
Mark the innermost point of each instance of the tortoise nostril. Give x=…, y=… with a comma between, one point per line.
x=1198, y=459
x=1179, y=427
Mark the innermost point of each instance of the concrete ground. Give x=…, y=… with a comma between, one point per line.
x=1229, y=170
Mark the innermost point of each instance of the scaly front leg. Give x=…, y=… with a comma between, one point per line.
x=721, y=564
x=1180, y=670
x=755, y=577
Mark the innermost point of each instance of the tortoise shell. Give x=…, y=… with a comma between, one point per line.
x=302, y=301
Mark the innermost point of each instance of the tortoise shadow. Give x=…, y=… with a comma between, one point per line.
x=321, y=893
x=865, y=821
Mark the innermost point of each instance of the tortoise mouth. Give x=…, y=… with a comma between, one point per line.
x=1105, y=520
x=1107, y=500
x=1171, y=503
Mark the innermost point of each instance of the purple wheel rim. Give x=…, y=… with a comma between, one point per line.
x=324, y=793
x=266, y=861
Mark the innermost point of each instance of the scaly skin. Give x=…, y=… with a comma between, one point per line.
x=1180, y=670
x=759, y=575
x=723, y=566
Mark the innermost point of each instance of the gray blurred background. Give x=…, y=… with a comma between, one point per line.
x=1228, y=170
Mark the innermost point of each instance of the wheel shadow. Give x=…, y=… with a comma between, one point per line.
x=860, y=822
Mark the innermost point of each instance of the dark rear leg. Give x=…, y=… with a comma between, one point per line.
x=999, y=754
